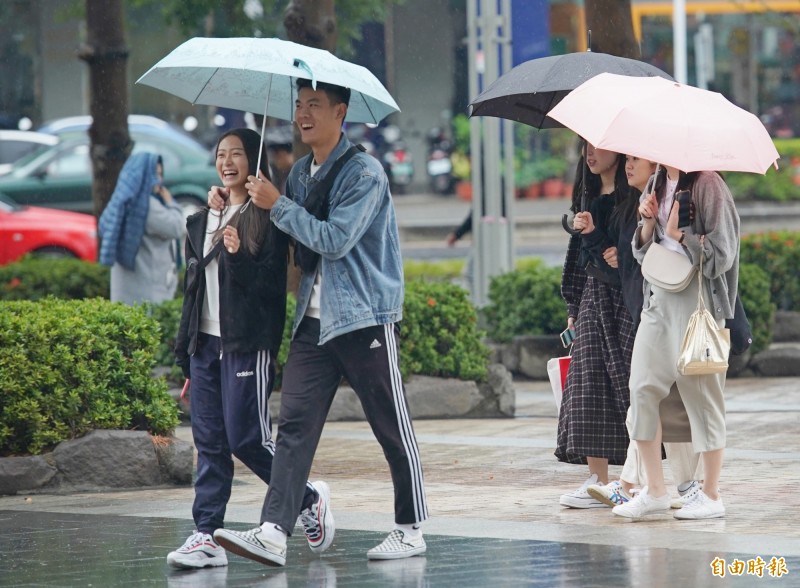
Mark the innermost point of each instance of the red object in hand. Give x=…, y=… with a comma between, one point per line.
x=185, y=388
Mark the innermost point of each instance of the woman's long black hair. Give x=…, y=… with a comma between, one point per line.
x=626, y=202
x=251, y=222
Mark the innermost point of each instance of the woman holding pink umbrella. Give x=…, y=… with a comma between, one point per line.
x=683, y=461
x=713, y=235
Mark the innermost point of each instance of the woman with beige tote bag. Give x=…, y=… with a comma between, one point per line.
x=654, y=367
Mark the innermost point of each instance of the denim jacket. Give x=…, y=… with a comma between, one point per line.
x=359, y=245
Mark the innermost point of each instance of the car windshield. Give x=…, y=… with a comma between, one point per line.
x=34, y=154
x=71, y=157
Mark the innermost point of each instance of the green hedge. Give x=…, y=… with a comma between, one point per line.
x=168, y=316
x=439, y=334
x=777, y=253
x=33, y=278
x=68, y=367
x=433, y=271
x=776, y=185
x=526, y=301
x=760, y=310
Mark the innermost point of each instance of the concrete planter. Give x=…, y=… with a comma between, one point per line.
x=436, y=398
x=528, y=355
x=101, y=460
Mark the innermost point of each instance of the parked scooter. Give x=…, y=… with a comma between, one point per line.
x=385, y=144
x=400, y=168
x=440, y=166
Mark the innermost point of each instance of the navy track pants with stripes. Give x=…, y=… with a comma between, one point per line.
x=229, y=396
x=369, y=359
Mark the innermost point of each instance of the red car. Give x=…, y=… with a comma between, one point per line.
x=45, y=231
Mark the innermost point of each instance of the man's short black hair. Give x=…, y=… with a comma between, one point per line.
x=336, y=94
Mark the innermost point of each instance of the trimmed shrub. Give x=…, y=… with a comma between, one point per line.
x=168, y=316
x=760, y=310
x=69, y=367
x=439, y=334
x=777, y=253
x=283, y=354
x=526, y=301
x=433, y=271
x=34, y=278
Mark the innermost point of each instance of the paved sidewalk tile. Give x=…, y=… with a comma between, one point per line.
x=51, y=549
x=493, y=488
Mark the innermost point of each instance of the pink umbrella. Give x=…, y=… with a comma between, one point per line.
x=667, y=122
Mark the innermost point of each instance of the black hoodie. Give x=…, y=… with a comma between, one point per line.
x=252, y=294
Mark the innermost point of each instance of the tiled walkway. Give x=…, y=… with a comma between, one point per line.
x=493, y=487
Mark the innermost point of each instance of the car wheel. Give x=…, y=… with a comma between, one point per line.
x=53, y=252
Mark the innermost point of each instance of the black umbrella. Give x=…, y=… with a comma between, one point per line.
x=529, y=91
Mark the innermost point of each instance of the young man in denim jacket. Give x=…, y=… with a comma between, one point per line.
x=348, y=308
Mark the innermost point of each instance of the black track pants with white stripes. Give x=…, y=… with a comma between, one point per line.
x=368, y=358
x=229, y=397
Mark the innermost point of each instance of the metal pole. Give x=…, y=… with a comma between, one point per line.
x=508, y=134
x=475, y=30
x=679, y=40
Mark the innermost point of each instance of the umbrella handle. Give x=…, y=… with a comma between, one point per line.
x=567, y=228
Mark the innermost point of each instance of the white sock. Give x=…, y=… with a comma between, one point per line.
x=410, y=531
x=273, y=533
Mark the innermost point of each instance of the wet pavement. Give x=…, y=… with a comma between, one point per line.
x=493, y=488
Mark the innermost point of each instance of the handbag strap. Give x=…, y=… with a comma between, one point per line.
x=211, y=255
x=701, y=305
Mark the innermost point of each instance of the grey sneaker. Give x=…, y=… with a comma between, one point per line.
x=687, y=495
x=317, y=520
x=611, y=494
x=198, y=551
x=253, y=545
x=398, y=546
x=580, y=498
x=642, y=504
x=701, y=507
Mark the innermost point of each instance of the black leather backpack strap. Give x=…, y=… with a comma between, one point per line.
x=317, y=203
x=317, y=199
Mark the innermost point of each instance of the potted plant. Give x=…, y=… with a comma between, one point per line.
x=552, y=170
x=460, y=157
x=542, y=176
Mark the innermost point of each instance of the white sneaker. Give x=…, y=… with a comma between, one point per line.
x=317, y=520
x=642, y=504
x=701, y=507
x=398, y=546
x=199, y=551
x=253, y=545
x=687, y=495
x=611, y=494
x=580, y=498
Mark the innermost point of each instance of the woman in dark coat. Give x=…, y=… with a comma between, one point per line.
x=591, y=425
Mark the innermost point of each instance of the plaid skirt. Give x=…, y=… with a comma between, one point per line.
x=596, y=396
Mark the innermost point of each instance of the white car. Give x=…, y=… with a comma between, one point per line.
x=16, y=144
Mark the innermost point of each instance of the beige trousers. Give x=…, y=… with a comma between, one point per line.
x=654, y=372
x=684, y=463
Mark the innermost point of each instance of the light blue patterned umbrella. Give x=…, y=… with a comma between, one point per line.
x=258, y=75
